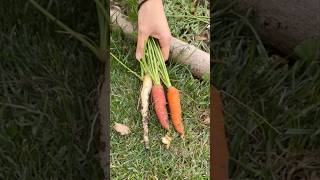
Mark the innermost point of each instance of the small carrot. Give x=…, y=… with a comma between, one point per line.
x=175, y=109
x=159, y=99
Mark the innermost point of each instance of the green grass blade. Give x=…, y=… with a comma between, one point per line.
x=73, y=33
x=134, y=73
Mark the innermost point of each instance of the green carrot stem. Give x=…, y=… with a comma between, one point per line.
x=134, y=73
x=160, y=61
x=153, y=66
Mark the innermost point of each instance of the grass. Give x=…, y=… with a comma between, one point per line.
x=187, y=19
x=48, y=94
x=189, y=159
x=128, y=156
x=258, y=86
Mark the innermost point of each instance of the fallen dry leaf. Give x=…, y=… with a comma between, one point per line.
x=121, y=128
x=166, y=140
x=201, y=38
x=207, y=120
x=205, y=117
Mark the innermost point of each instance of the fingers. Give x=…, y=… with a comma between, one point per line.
x=165, y=42
x=142, y=37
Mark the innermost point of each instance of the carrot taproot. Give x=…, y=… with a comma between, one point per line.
x=175, y=110
x=144, y=95
x=157, y=92
x=159, y=99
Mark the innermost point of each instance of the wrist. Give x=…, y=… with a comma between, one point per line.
x=143, y=2
x=139, y=1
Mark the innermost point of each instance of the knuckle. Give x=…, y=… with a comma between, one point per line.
x=165, y=36
x=142, y=31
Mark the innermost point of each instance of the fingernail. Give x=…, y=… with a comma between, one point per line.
x=138, y=56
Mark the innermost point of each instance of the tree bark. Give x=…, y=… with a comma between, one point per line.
x=285, y=23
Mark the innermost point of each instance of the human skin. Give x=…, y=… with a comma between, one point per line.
x=152, y=22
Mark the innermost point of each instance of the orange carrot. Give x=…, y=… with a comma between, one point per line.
x=159, y=99
x=175, y=109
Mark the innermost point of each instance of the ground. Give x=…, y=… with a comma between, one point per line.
x=48, y=102
x=48, y=96
x=129, y=159
x=271, y=101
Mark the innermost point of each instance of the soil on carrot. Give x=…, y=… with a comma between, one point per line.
x=129, y=159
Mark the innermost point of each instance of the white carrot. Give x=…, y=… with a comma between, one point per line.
x=144, y=95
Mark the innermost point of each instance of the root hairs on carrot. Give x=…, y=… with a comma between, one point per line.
x=144, y=95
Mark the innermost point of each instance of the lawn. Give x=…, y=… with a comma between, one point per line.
x=48, y=99
x=271, y=101
x=184, y=160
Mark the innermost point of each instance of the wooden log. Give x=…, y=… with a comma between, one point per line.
x=181, y=52
x=285, y=23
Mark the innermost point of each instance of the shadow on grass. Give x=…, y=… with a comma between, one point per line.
x=271, y=106
x=48, y=94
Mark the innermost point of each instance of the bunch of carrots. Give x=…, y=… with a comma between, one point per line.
x=155, y=72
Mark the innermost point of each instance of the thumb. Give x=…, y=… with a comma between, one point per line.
x=142, y=37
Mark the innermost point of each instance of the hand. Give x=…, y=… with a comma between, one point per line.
x=153, y=22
